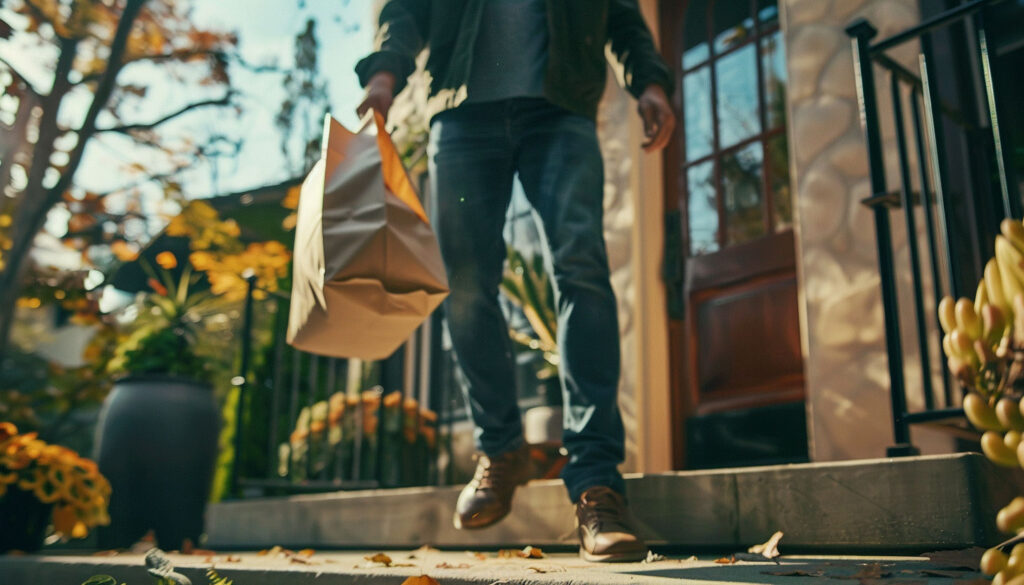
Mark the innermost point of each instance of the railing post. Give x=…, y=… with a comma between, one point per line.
x=240, y=381
x=861, y=33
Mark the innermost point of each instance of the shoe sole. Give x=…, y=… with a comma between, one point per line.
x=622, y=557
x=457, y=522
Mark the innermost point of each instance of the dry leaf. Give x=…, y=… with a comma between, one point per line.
x=726, y=561
x=106, y=553
x=233, y=559
x=532, y=552
x=769, y=549
x=380, y=558
x=302, y=560
x=421, y=580
x=968, y=558
x=422, y=552
x=653, y=557
x=477, y=555
x=447, y=565
x=693, y=558
x=306, y=552
x=271, y=552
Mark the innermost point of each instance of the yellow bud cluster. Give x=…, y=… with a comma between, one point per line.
x=54, y=475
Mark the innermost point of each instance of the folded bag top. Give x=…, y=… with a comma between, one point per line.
x=367, y=268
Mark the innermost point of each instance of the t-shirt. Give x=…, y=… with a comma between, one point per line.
x=510, y=54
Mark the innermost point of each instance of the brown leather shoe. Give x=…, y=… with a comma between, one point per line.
x=605, y=528
x=488, y=496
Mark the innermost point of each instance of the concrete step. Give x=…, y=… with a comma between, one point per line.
x=451, y=568
x=886, y=506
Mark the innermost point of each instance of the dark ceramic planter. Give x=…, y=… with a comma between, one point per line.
x=156, y=442
x=23, y=521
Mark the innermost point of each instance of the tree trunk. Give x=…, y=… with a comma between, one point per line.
x=36, y=200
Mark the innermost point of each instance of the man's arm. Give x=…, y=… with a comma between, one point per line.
x=647, y=77
x=401, y=34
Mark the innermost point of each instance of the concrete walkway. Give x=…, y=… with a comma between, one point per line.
x=279, y=567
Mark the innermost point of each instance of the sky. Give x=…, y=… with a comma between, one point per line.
x=266, y=30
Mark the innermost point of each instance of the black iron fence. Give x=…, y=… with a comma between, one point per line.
x=309, y=423
x=920, y=134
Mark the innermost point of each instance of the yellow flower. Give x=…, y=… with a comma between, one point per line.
x=7, y=430
x=167, y=260
x=124, y=251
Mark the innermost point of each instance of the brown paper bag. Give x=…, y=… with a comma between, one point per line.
x=367, y=268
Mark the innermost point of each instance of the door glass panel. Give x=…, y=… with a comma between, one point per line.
x=697, y=113
x=732, y=24
x=695, y=34
x=738, y=116
x=767, y=13
x=773, y=67
x=741, y=188
x=777, y=155
x=703, y=208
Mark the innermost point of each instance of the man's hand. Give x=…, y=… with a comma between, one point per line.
x=380, y=93
x=659, y=120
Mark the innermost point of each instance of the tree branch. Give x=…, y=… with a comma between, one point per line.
x=185, y=54
x=31, y=88
x=129, y=128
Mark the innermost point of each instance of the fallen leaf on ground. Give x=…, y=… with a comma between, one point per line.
x=306, y=552
x=653, y=557
x=968, y=558
x=272, y=552
x=380, y=558
x=422, y=552
x=447, y=565
x=530, y=552
x=726, y=561
x=693, y=558
x=547, y=569
x=769, y=549
x=477, y=555
x=233, y=559
x=303, y=560
x=106, y=553
x=420, y=580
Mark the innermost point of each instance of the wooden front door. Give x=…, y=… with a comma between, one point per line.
x=737, y=359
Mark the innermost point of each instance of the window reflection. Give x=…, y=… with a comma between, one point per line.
x=738, y=117
x=697, y=114
x=777, y=156
x=703, y=208
x=743, y=194
x=695, y=35
x=732, y=24
x=773, y=67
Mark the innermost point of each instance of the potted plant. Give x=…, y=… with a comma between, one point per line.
x=43, y=484
x=158, y=434
x=158, y=429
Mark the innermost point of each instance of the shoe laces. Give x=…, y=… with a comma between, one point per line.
x=603, y=508
x=494, y=471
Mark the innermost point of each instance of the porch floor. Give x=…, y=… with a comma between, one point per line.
x=880, y=506
x=449, y=568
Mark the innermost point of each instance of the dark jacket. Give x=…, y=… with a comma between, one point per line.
x=578, y=31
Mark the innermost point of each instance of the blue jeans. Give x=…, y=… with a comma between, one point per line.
x=475, y=152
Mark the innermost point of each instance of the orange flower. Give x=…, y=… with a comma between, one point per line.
x=167, y=260
x=7, y=430
x=124, y=251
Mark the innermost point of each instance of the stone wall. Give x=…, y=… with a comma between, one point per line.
x=849, y=415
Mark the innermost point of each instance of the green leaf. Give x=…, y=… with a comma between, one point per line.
x=100, y=580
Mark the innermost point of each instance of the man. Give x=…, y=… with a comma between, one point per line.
x=514, y=90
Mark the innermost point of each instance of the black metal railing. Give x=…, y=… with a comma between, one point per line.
x=924, y=141
x=309, y=423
